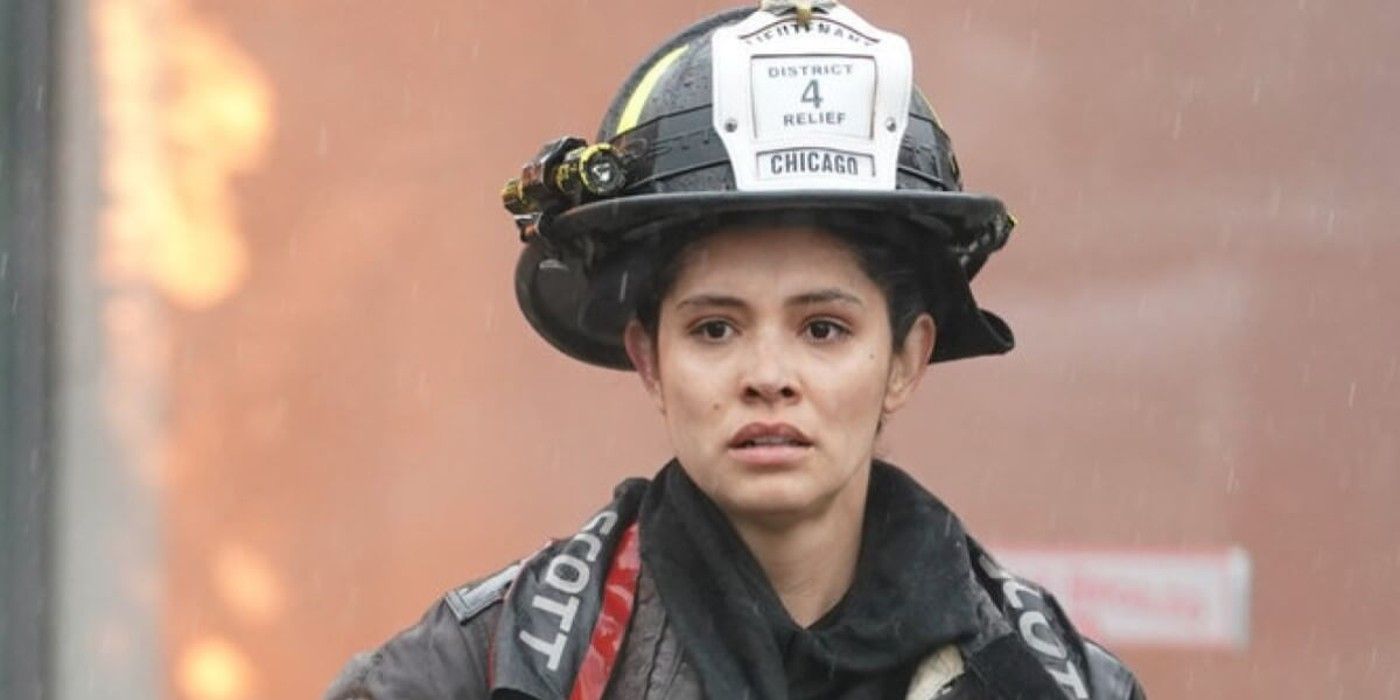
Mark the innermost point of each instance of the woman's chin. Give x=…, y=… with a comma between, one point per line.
x=770, y=495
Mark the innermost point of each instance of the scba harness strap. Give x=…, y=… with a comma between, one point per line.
x=567, y=609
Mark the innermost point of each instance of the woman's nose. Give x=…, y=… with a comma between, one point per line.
x=769, y=377
x=769, y=392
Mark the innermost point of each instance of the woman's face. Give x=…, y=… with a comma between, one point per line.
x=773, y=365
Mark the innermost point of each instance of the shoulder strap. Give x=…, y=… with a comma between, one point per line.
x=1081, y=669
x=560, y=606
x=619, y=599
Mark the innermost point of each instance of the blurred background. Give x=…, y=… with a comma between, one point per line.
x=265, y=392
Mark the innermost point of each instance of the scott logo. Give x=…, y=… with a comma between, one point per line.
x=1035, y=628
x=567, y=574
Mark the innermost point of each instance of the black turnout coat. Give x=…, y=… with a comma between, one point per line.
x=656, y=598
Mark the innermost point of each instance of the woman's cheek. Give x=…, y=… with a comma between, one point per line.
x=858, y=389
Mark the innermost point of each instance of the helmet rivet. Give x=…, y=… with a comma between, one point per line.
x=891, y=124
x=731, y=125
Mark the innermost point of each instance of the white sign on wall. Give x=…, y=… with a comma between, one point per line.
x=1159, y=598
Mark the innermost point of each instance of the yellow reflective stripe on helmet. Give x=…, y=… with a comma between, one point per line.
x=633, y=111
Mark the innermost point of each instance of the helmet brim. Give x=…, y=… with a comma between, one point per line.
x=582, y=311
x=964, y=216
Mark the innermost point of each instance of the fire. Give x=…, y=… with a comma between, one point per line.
x=185, y=112
x=213, y=669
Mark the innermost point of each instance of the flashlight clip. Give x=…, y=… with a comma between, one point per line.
x=565, y=173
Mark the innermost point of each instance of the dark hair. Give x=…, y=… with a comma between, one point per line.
x=886, y=250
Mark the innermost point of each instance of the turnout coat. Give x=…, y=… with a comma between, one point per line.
x=584, y=618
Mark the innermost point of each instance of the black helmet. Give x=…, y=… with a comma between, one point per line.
x=795, y=107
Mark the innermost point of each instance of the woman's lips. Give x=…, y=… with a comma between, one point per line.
x=769, y=455
x=764, y=444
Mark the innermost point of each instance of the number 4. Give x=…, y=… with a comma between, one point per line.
x=813, y=94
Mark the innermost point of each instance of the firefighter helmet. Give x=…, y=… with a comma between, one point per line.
x=798, y=106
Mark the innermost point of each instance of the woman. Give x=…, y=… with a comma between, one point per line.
x=771, y=232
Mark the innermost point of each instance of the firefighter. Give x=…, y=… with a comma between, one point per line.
x=770, y=229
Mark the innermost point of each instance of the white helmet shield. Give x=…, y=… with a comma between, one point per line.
x=811, y=103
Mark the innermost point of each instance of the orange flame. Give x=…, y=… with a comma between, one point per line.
x=213, y=669
x=185, y=112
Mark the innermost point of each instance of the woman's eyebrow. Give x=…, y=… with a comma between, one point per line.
x=823, y=296
x=711, y=300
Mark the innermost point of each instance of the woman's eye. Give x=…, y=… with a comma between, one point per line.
x=713, y=330
x=825, y=330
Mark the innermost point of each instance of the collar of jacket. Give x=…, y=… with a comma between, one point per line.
x=1012, y=634
x=913, y=592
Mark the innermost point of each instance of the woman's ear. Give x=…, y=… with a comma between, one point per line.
x=642, y=352
x=909, y=362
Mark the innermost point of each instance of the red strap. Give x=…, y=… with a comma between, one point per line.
x=619, y=597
